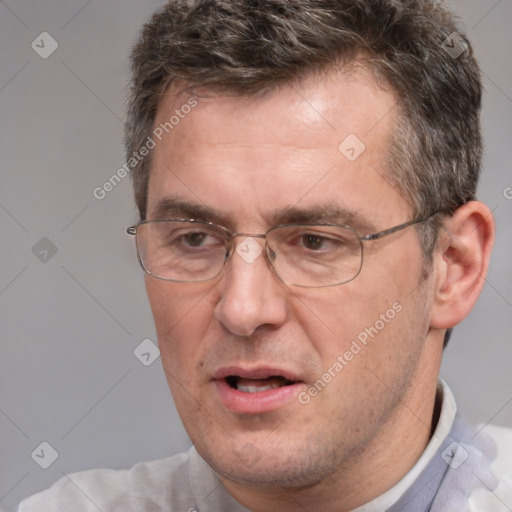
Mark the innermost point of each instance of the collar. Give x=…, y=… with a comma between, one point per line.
x=443, y=428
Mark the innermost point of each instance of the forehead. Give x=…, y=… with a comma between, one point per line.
x=344, y=101
x=297, y=143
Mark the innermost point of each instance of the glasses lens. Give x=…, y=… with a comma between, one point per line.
x=315, y=256
x=181, y=251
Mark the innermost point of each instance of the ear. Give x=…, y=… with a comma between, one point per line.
x=460, y=263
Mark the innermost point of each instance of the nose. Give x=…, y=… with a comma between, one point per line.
x=251, y=294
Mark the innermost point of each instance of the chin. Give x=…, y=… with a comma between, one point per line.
x=300, y=465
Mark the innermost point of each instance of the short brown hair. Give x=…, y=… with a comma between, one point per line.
x=250, y=46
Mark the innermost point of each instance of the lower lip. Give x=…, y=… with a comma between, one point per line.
x=255, y=403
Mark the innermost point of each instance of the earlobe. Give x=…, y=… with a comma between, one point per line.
x=461, y=262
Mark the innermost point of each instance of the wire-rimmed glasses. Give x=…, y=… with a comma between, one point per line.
x=306, y=255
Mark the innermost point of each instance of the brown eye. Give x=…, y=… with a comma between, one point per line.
x=194, y=239
x=313, y=242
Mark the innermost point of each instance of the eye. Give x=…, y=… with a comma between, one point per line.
x=191, y=238
x=320, y=241
x=201, y=240
x=196, y=239
x=313, y=242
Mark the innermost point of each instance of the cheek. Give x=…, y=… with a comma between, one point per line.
x=333, y=318
x=370, y=319
x=182, y=315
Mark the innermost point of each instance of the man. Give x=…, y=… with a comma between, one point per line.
x=305, y=173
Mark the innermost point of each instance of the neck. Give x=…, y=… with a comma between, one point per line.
x=374, y=470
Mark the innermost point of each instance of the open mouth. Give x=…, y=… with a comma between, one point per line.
x=256, y=390
x=257, y=385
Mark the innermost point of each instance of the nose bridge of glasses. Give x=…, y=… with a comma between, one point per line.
x=248, y=235
x=243, y=236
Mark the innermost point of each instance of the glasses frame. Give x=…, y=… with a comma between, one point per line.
x=231, y=236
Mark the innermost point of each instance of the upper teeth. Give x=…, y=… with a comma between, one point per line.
x=258, y=389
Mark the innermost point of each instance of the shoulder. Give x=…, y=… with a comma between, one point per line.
x=500, y=498
x=502, y=436
x=148, y=486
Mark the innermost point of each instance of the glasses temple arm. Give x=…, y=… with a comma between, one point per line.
x=389, y=231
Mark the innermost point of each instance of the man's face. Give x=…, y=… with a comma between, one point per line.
x=249, y=162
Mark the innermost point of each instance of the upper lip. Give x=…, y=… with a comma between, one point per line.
x=256, y=373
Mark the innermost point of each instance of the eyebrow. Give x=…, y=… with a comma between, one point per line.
x=174, y=207
x=329, y=213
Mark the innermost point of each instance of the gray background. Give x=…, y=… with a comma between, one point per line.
x=69, y=325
